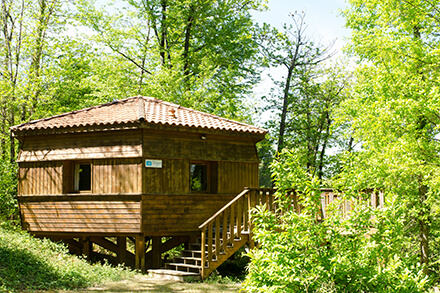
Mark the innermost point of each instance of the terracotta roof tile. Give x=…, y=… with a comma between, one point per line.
x=134, y=110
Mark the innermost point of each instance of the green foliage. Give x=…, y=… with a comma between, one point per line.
x=27, y=263
x=394, y=112
x=196, y=53
x=302, y=103
x=366, y=251
x=8, y=191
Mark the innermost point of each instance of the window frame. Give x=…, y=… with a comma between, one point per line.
x=76, y=176
x=208, y=181
x=211, y=177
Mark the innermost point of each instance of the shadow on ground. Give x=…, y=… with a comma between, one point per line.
x=147, y=284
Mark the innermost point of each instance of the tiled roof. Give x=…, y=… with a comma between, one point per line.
x=135, y=110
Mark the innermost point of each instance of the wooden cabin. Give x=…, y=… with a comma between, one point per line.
x=136, y=169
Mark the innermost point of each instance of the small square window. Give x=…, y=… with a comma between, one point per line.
x=199, y=177
x=83, y=177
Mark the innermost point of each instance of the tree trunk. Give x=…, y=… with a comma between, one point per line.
x=189, y=25
x=424, y=228
x=163, y=29
x=284, y=111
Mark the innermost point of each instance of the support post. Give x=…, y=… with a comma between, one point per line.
x=87, y=248
x=122, y=250
x=157, y=255
x=140, y=253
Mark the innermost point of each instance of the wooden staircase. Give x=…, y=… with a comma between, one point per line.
x=220, y=237
x=230, y=229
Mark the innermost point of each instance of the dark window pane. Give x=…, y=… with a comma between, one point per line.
x=199, y=178
x=85, y=177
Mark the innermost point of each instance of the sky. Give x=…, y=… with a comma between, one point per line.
x=324, y=25
x=322, y=17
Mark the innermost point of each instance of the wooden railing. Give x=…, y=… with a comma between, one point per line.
x=229, y=229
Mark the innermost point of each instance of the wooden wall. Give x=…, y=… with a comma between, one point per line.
x=234, y=176
x=168, y=215
x=172, y=178
x=178, y=145
x=117, y=176
x=81, y=216
x=80, y=146
x=40, y=178
x=167, y=206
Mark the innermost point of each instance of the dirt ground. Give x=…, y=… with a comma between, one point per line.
x=147, y=284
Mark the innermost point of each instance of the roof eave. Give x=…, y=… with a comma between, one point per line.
x=17, y=132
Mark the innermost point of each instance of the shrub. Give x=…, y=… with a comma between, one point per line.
x=8, y=191
x=368, y=251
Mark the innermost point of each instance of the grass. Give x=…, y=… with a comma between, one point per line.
x=27, y=263
x=31, y=264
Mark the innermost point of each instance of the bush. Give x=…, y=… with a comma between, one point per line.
x=8, y=191
x=369, y=251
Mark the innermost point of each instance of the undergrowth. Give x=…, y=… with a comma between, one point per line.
x=27, y=263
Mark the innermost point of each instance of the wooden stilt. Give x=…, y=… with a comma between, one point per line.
x=122, y=250
x=157, y=242
x=140, y=253
x=87, y=248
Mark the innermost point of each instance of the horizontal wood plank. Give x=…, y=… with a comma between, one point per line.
x=90, y=216
x=177, y=213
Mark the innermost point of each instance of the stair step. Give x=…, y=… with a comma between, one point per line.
x=188, y=260
x=174, y=275
x=183, y=265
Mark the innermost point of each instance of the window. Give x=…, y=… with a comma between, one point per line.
x=83, y=177
x=199, y=177
x=203, y=177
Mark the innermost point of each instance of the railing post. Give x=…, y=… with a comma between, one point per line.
x=203, y=247
x=217, y=236
x=251, y=204
x=209, y=243
x=231, y=223
x=225, y=231
x=246, y=213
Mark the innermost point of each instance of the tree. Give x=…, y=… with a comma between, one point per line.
x=303, y=102
x=394, y=111
x=24, y=27
x=294, y=51
x=196, y=53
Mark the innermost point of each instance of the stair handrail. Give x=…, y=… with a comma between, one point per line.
x=212, y=218
x=231, y=227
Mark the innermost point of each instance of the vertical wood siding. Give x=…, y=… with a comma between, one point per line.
x=172, y=178
x=234, y=176
x=117, y=176
x=40, y=178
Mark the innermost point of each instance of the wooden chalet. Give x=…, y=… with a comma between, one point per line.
x=135, y=171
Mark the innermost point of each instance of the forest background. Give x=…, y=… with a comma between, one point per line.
x=367, y=122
